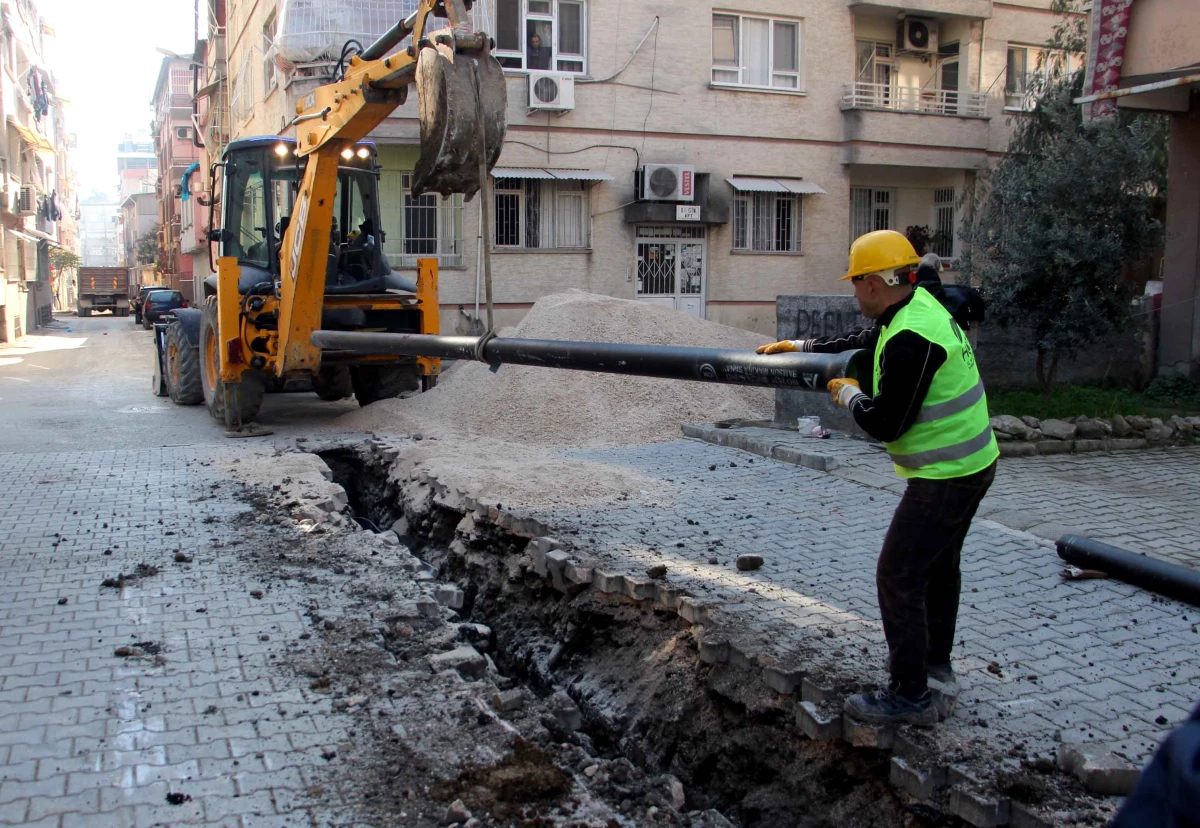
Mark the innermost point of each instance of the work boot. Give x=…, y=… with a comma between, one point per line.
x=887, y=707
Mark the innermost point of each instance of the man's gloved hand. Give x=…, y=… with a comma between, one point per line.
x=785, y=346
x=844, y=391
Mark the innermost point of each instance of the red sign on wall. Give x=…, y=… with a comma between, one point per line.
x=686, y=189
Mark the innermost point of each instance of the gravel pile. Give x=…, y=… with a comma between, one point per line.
x=575, y=408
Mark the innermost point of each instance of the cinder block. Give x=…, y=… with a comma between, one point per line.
x=862, y=734
x=977, y=809
x=816, y=726
x=1100, y=771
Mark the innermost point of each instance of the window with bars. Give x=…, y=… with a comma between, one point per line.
x=755, y=51
x=542, y=35
x=870, y=209
x=537, y=214
x=943, y=222
x=766, y=222
x=430, y=226
x=270, y=79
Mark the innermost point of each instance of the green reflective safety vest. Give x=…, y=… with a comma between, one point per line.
x=952, y=436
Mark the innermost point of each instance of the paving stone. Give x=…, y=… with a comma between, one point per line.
x=466, y=660
x=917, y=782
x=862, y=734
x=1100, y=771
x=817, y=726
x=977, y=809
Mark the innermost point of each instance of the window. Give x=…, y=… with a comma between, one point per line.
x=874, y=71
x=870, y=209
x=542, y=35
x=766, y=222
x=270, y=80
x=948, y=78
x=429, y=226
x=943, y=222
x=1029, y=70
x=247, y=214
x=1016, y=82
x=541, y=215
x=755, y=51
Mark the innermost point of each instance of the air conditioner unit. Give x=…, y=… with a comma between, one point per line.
x=667, y=182
x=551, y=91
x=26, y=201
x=918, y=34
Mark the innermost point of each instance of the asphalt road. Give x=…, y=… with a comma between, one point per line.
x=84, y=384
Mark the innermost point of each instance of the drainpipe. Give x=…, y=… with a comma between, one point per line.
x=1167, y=579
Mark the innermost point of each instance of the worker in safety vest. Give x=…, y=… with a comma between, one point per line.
x=928, y=408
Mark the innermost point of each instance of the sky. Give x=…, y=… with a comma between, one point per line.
x=103, y=57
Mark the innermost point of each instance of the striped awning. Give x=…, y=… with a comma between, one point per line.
x=755, y=184
x=551, y=175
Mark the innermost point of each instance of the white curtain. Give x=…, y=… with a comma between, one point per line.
x=756, y=51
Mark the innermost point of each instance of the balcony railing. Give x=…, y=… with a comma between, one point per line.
x=882, y=96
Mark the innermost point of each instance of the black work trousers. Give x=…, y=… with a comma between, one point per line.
x=918, y=576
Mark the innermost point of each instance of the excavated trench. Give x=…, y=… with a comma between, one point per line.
x=633, y=671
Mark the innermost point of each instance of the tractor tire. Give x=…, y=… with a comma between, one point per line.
x=182, y=368
x=247, y=394
x=333, y=383
x=372, y=383
x=158, y=384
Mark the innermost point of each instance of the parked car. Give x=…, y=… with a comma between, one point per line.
x=140, y=299
x=159, y=303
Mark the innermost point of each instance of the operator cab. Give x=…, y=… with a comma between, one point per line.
x=260, y=182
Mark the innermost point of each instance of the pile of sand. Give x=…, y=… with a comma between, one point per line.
x=553, y=407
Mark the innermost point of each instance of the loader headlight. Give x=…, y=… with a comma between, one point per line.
x=281, y=150
x=363, y=152
x=347, y=153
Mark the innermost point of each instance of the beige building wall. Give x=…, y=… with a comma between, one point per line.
x=663, y=108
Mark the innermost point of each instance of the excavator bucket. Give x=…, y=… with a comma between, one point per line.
x=463, y=100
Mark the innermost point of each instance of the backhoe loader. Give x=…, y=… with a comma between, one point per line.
x=299, y=236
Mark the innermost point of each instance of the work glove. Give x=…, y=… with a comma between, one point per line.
x=844, y=391
x=785, y=346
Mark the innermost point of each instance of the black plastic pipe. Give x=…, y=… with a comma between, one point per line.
x=1167, y=579
x=809, y=372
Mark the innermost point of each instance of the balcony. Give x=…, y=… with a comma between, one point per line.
x=886, y=97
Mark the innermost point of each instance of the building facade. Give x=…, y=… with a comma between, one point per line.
x=706, y=158
x=99, y=230
x=137, y=166
x=178, y=156
x=36, y=193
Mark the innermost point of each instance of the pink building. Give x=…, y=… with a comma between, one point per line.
x=176, y=151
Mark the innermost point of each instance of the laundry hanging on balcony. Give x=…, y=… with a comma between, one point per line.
x=38, y=93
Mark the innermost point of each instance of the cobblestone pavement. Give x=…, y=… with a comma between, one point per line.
x=1145, y=501
x=1097, y=661
x=88, y=737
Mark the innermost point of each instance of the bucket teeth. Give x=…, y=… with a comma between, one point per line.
x=455, y=91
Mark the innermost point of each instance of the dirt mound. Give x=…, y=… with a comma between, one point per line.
x=577, y=408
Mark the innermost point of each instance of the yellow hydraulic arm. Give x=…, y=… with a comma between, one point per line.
x=461, y=94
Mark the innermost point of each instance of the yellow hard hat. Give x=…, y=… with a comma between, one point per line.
x=880, y=250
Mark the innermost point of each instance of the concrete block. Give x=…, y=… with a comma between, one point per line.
x=466, y=660
x=818, y=462
x=1089, y=445
x=696, y=431
x=639, y=589
x=811, y=691
x=782, y=680
x=1100, y=771
x=1018, y=449
x=862, y=734
x=787, y=454
x=945, y=697
x=1125, y=443
x=428, y=606
x=538, y=552
x=449, y=595
x=977, y=809
x=714, y=650
x=740, y=659
x=693, y=611
x=565, y=712
x=556, y=562
x=577, y=573
x=917, y=782
x=667, y=595
x=608, y=581
x=1055, y=446
x=509, y=700
x=814, y=725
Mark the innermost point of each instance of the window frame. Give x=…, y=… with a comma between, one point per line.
x=1033, y=54
x=559, y=193
x=739, y=45
x=874, y=206
x=944, y=204
x=450, y=229
x=270, y=74
x=554, y=18
x=746, y=217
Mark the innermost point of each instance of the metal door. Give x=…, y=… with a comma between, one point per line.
x=671, y=268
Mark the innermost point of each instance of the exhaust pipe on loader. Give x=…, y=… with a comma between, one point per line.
x=803, y=372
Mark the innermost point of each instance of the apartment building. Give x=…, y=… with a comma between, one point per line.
x=137, y=165
x=34, y=175
x=178, y=159
x=702, y=157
